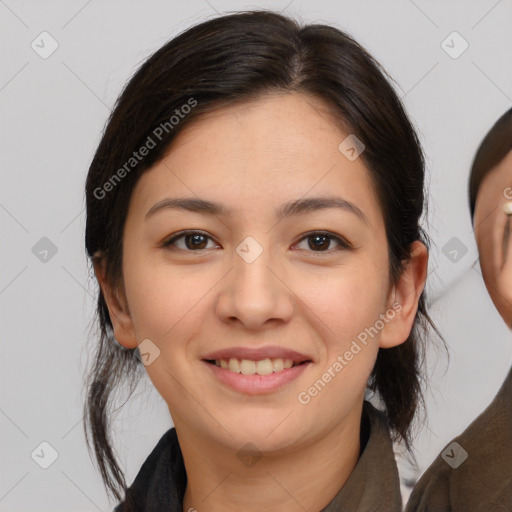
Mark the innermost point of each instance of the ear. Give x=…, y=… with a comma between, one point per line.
x=404, y=296
x=117, y=305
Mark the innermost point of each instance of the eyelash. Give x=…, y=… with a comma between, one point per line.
x=342, y=243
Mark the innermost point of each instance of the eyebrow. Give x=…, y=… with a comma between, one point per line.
x=297, y=207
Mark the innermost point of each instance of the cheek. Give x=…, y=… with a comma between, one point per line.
x=164, y=299
x=167, y=305
x=346, y=310
x=346, y=301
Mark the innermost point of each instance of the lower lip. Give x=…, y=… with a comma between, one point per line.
x=257, y=384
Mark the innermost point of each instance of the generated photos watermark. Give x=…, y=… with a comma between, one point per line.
x=342, y=360
x=137, y=156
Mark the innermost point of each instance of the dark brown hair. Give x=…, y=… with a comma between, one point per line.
x=492, y=150
x=236, y=58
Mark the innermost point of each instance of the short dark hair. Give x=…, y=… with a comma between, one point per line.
x=236, y=58
x=492, y=150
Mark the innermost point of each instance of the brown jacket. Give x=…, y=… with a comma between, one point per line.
x=475, y=474
x=373, y=486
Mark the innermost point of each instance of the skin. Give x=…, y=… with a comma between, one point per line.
x=494, y=247
x=253, y=157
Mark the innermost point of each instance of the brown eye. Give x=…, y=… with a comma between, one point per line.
x=320, y=241
x=193, y=241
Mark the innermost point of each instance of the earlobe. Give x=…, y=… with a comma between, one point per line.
x=404, y=297
x=120, y=317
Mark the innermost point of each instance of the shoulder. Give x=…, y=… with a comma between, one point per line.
x=475, y=469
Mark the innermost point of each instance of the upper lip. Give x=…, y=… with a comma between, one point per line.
x=257, y=354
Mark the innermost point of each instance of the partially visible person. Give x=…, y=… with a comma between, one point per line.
x=474, y=472
x=490, y=196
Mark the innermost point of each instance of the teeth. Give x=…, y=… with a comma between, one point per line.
x=277, y=365
x=234, y=365
x=264, y=367
x=248, y=367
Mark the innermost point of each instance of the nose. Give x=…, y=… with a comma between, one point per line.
x=255, y=293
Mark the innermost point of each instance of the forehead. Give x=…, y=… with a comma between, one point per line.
x=279, y=127
x=266, y=151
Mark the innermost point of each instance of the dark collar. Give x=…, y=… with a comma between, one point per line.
x=373, y=485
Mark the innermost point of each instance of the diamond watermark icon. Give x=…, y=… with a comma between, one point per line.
x=249, y=250
x=44, y=250
x=147, y=352
x=44, y=45
x=454, y=249
x=454, y=455
x=44, y=455
x=249, y=455
x=351, y=147
x=454, y=45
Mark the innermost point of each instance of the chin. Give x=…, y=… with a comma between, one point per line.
x=268, y=433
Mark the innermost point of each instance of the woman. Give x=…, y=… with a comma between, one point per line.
x=474, y=472
x=253, y=220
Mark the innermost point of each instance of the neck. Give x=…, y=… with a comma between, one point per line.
x=306, y=477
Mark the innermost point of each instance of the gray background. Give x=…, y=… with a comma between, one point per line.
x=52, y=113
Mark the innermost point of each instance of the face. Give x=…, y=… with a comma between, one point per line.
x=493, y=232
x=255, y=283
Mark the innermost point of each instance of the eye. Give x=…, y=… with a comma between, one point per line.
x=319, y=240
x=193, y=240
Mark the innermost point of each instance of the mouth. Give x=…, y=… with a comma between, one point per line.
x=256, y=370
x=256, y=377
x=265, y=366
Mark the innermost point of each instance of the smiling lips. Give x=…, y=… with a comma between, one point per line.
x=259, y=364
x=261, y=361
x=261, y=367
